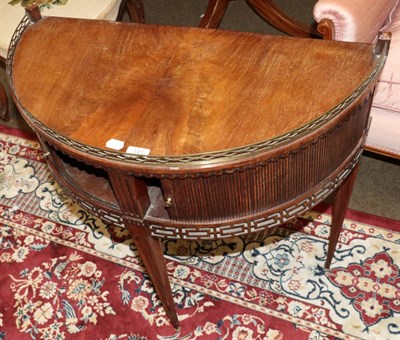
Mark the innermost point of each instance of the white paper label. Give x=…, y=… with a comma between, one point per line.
x=138, y=151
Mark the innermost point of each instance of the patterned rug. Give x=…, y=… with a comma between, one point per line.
x=67, y=275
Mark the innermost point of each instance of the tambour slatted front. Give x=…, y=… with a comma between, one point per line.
x=272, y=181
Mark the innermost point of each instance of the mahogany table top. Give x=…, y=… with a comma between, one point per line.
x=178, y=90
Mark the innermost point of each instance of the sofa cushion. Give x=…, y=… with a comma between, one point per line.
x=384, y=134
x=391, y=73
x=387, y=93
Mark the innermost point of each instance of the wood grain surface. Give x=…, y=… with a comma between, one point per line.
x=178, y=90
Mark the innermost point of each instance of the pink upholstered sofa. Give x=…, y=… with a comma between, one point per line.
x=361, y=20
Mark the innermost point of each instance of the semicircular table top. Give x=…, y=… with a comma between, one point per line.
x=178, y=90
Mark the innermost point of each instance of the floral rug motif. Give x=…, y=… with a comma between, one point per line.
x=372, y=286
x=67, y=275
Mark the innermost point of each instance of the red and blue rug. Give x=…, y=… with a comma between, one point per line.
x=64, y=274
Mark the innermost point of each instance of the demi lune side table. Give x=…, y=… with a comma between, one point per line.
x=189, y=133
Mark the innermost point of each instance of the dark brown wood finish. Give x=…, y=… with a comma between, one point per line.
x=3, y=104
x=214, y=13
x=326, y=28
x=152, y=255
x=134, y=8
x=245, y=131
x=340, y=204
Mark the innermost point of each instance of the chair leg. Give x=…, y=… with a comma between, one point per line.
x=272, y=14
x=214, y=13
x=135, y=10
x=4, y=114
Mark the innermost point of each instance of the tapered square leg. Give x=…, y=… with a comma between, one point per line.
x=340, y=203
x=4, y=115
x=151, y=253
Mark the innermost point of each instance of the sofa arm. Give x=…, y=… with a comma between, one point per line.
x=353, y=20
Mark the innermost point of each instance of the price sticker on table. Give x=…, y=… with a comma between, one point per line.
x=138, y=151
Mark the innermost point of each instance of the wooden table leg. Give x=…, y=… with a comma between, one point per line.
x=340, y=204
x=4, y=115
x=151, y=253
x=133, y=199
x=272, y=14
